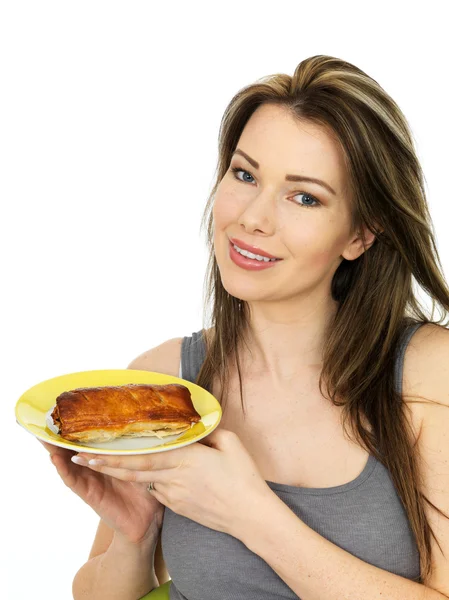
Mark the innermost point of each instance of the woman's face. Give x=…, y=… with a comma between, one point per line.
x=303, y=223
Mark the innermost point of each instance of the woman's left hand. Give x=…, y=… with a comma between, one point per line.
x=214, y=482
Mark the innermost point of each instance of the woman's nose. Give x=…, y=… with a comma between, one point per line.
x=259, y=215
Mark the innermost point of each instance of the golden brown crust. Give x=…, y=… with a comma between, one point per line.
x=136, y=409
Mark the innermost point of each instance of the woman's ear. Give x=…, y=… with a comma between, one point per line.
x=356, y=248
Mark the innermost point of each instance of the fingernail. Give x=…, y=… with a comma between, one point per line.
x=79, y=461
x=96, y=462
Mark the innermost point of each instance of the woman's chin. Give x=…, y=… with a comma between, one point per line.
x=242, y=293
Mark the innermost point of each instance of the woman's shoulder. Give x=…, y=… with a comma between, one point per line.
x=163, y=358
x=425, y=379
x=426, y=363
x=426, y=376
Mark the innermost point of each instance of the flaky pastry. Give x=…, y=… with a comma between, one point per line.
x=100, y=414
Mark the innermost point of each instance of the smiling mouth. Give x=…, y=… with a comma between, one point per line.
x=252, y=255
x=251, y=264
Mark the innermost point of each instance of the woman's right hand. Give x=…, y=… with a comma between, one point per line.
x=126, y=507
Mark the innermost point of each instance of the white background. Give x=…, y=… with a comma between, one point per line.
x=109, y=123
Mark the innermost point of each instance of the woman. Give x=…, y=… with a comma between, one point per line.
x=328, y=476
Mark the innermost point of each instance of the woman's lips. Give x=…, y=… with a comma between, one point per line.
x=250, y=264
x=253, y=249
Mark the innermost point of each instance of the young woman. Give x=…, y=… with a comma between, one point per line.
x=328, y=476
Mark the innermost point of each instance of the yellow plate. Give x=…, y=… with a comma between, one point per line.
x=35, y=405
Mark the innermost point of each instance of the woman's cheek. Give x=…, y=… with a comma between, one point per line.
x=328, y=254
x=227, y=210
x=312, y=246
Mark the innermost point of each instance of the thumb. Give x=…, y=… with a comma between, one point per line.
x=48, y=447
x=215, y=439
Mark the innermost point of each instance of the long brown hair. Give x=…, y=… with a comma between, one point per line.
x=376, y=299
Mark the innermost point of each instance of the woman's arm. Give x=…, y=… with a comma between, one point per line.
x=315, y=568
x=124, y=571
x=159, y=564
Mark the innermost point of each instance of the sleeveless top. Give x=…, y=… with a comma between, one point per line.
x=364, y=517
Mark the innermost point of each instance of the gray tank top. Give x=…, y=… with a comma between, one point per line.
x=364, y=517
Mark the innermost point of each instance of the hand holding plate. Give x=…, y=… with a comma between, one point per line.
x=125, y=507
x=214, y=482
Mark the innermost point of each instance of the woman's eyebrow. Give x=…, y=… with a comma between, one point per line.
x=255, y=164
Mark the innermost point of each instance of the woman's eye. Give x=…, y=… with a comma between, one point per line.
x=236, y=170
x=308, y=197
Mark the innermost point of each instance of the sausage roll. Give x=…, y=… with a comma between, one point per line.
x=100, y=414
